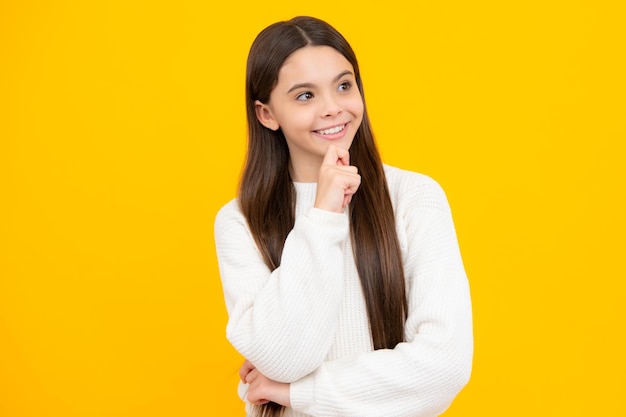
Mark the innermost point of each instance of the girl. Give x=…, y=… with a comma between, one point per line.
x=344, y=285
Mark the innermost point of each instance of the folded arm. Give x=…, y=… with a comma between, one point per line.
x=283, y=321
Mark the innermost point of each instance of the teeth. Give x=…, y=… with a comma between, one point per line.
x=332, y=130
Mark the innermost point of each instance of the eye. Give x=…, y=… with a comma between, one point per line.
x=304, y=96
x=345, y=86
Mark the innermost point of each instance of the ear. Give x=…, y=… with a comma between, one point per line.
x=265, y=116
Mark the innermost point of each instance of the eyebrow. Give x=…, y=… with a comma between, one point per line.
x=309, y=85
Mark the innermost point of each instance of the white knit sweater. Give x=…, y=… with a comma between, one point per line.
x=306, y=323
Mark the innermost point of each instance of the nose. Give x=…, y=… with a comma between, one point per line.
x=332, y=106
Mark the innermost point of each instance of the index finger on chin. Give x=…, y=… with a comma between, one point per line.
x=336, y=156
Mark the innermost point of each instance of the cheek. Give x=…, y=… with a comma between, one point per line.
x=301, y=120
x=356, y=107
x=354, y=102
x=289, y=119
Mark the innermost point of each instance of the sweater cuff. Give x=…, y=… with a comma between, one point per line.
x=301, y=393
x=336, y=224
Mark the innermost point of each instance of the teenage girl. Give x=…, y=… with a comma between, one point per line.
x=343, y=281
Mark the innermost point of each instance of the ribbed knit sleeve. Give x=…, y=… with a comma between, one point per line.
x=283, y=321
x=421, y=376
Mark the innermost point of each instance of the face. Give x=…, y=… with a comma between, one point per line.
x=315, y=103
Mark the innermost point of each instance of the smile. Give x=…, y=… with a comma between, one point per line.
x=332, y=130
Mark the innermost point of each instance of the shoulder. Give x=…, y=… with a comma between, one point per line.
x=229, y=215
x=408, y=189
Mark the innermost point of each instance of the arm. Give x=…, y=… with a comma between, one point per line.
x=283, y=321
x=421, y=376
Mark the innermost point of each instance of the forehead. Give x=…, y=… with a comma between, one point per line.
x=313, y=64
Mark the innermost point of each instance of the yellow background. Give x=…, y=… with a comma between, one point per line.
x=122, y=132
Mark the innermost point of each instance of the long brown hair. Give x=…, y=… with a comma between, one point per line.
x=267, y=196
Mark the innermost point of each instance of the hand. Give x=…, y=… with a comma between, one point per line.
x=337, y=180
x=261, y=389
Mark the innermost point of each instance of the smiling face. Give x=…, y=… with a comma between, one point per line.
x=315, y=102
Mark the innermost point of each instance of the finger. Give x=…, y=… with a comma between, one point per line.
x=245, y=370
x=346, y=201
x=351, y=183
x=349, y=192
x=251, y=376
x=343, y=157
x=336, y=156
